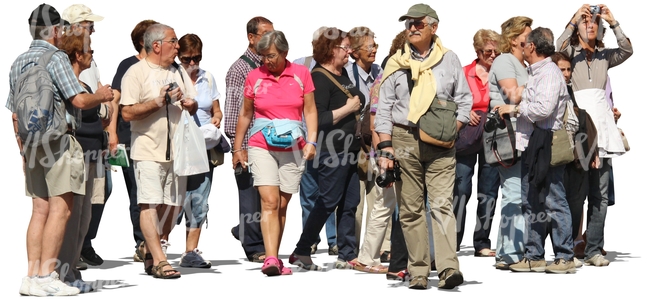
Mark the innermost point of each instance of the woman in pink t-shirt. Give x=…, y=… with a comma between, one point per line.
x=278, y=93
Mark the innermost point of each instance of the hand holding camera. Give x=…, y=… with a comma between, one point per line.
x=389, y=170
x=493, y=121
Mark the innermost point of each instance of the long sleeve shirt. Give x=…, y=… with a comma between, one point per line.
x=543, y=102
x=235, y=81
x=394, y=95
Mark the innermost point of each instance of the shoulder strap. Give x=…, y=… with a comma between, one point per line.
x=355, y=71
x=297, y=79
x=208, y=76
x=410, y=82
x=178, y=67
x=249, y=61
x=308, y=61
x=321, y=70
x=374, y=72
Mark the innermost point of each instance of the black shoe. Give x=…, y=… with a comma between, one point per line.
x=90, y=257
x=81, y=265
x=235, y=232
x=385, y=257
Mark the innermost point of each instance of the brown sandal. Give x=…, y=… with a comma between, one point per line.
x=158, y=271
x=371, y=269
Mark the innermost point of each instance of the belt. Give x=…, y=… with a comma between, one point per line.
x=410, y=129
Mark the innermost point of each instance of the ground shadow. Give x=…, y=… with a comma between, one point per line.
x=614, y=256
x=109, y=284
x=110, y=264
x=189, y=271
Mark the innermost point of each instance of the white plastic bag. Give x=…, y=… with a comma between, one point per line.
x=190, y=155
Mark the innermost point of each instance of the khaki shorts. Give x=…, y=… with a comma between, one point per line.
x=157, y=183
x=55, y=169
x=276, y=168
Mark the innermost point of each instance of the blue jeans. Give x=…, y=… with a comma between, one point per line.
x=196, y=199
x=338, y=190
x=597, y=207
x=308, y=196
x=546, y=204
x=488, y=189
x=512, y=226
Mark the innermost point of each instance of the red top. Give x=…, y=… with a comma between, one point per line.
x=480, y=91
x=278, y=99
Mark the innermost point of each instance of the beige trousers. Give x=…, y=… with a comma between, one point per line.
x=432, y=169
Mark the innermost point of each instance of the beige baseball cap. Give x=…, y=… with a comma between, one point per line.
x=77, y=13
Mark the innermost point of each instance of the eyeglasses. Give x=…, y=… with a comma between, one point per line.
x=173, y=41
x=91, y=52
x=369, y=48
x=419, y=25
x=188, y=59
x=90, y=28
x=269, y=57
x=345, y=48
x=489, y=53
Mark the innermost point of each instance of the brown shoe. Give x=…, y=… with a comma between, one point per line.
x=561, y=266
x=450, y=279
x=419, y=283
x=526, y=265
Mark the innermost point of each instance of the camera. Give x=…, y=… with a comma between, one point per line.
x=239, y=169
x=493, y=121
x=172, y=86
x=389, y=176
x=595, y=10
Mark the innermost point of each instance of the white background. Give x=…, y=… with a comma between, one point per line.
x=221, y=26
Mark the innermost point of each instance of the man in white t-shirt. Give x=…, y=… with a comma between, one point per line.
x=154, y=111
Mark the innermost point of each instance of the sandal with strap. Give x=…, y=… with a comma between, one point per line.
x=258, y=257
x=485, y=252
x=148, y=261
x=371, y=269
x=158, y=271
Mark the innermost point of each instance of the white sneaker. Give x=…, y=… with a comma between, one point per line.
x=577, y=262
x=51, y=286
x=597, y=260
x=24, y=287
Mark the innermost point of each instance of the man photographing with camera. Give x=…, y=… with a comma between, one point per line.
x=152, y=101
x=405, y=131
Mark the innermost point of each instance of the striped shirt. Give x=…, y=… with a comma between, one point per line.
x=66, y=84
x=543, y=102
x=235, y=81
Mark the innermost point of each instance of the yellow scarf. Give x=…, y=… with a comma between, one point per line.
x=424, y=88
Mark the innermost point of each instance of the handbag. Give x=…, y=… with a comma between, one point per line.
x=470, y=138
x=625, y=143
x=562, y=144
x=500, y=146
x=438, y=125
x=189, y=148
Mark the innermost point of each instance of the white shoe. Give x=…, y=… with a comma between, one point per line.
x=51, y=286
x=577, y=262
x=24, y=287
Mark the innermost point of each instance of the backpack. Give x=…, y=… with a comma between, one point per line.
x=41, y=118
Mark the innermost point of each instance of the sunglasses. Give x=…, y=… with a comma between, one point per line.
x=188, y=59
x=489, y=53
x=419, y=25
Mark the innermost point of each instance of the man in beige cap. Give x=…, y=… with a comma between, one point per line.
x=81, y=222
x=437, y=78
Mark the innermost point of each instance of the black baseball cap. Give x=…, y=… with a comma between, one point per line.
x=44, y=15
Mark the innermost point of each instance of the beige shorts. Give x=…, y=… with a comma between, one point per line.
x=276, y=168
x=157, y=183
x=55, y=169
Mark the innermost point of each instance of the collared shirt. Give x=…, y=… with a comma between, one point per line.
x=365, y=80
x=235, y=80
x=543, y=102
x=278, y=99
x=480, y=90
x=206, y=94
x=594, y=74
x=394, y=96
x=66, y=84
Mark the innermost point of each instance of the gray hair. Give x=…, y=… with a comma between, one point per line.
x=154, y=34
x=275, y=37
x=542, y=38
x=430, y=20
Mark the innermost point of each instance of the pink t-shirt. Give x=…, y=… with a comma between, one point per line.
x=281, y=98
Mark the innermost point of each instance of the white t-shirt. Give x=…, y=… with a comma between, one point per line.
x=90, y=76
x=141, y=83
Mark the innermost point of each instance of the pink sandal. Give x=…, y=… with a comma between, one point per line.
x=272, y=266
x=284, y=270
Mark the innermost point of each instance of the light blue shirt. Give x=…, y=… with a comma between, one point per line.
x=206, y=93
